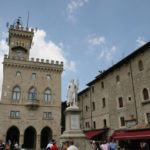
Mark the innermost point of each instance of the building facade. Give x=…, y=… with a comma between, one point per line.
x=119, y=97
x=30, y=106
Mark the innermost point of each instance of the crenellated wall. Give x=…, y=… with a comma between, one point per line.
x=35, y=60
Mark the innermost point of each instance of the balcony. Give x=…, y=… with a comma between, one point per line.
x=32, y=104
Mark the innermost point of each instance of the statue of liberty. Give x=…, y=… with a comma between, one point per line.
x=72, y=93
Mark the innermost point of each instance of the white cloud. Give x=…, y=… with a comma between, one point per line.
x=49, y=50
x=140, y=41
x=109, y=52
x=43, y=49
x=96, y=40
x=3, y=47
x=72, y=8
x=3, y=50
x=100, y=46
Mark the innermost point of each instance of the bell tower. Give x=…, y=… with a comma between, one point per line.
x=19, y=40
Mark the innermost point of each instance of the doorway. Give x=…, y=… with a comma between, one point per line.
x=12, y=136
x=30, y=138
x=46, y=136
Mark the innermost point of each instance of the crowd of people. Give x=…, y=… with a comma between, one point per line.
x=104, y=145
x=112, y=145
x=9, y=146
x=68, y=145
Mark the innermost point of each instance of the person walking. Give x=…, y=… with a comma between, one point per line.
x=144, y=146
x=105, y=146
x=49, y=145
x=113, y=145
x=54, y=146
x=97, y=146
x=65, y=145
x=72, y=146
x=2, y=145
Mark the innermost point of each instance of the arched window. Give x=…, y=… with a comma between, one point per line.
x=48, y=76
x=16, y=93
x=18, y=73
x=117, y=78
x=140, y=65
x=47, y=95
x=145, y=94
x=32, y=94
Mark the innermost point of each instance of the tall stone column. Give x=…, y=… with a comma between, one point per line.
x=38, y=141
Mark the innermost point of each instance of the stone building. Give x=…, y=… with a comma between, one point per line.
x=30, y=106
x=119, y=97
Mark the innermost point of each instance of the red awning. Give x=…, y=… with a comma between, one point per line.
x=91, y=134
x=134, y=134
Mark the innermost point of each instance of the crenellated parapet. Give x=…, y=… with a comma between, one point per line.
x=21, y=35
x=47, y=61
x=35, y=63
x=22, y=32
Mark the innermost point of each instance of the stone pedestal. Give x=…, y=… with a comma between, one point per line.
x=73, y=131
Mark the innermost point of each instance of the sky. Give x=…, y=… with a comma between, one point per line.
x=87, y=35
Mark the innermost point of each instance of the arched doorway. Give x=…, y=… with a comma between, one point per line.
x=30, y=138
x=46, y=135
x=13, y=135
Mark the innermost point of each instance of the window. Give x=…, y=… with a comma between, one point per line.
x=47, y=115
x=120, y=102
x=140, y=65
x=15, y=114
x=103, y=102
x=79, y=98
x=105, y=122
x=148, y=118
x=47, y=95
x=122, y=121
x=86, y=95
x=32, y=94
x=18, y=73
x=129, y=99
x=93, y=105
x=102, y=85
x=145, y=94
x=86, y=108
x=94, y=125
x=92, y=89
x=33, y=76
x=129, y=74
x=16, y=93
x=87, y=125
x=117, y=79
x=48, y=76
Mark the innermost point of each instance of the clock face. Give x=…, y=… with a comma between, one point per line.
x=19, y=52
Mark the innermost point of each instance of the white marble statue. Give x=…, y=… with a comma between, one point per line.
x=72, y=93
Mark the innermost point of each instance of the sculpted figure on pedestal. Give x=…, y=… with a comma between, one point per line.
x=72, y=93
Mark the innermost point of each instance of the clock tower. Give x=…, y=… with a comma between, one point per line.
x=30, y=105
x=19, y=40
